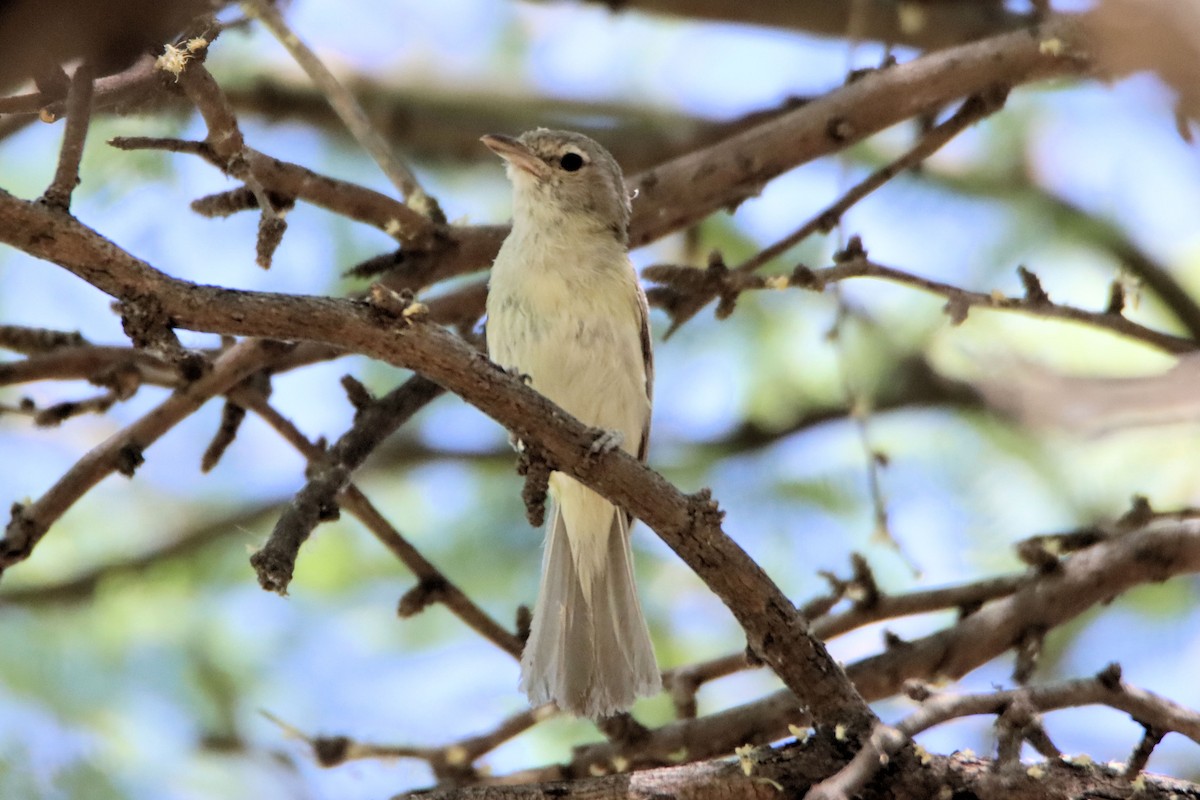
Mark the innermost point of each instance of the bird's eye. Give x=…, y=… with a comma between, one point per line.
x=571, y=161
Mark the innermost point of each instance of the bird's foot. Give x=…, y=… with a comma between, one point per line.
x=606, y=441
x=523, y=377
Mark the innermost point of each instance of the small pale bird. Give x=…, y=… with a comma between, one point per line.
x=565, y=308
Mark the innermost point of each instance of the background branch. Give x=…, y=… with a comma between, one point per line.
x=123, y=451
x=343, y=103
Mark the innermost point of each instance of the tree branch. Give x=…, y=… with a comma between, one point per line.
x=682, y=305
x=122, y=452
x=681, y=283
x=1107, y=689
x=776, y=632
x=344, y=104
x=789, y=771
x=1021, y=186
x=1018, y=603
x=683, y=191
x=82, y=587
x=435, y=584
x=330, y=473
x=79, y=113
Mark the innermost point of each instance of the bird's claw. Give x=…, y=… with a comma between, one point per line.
x=606, y=441
x=523, y=377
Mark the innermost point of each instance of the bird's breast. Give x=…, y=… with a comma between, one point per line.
x=570, y=320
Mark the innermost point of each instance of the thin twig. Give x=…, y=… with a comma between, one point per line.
x=288, y=180
x=681, y=282
x=343, y=103
x=973, y=109
x=165, y=143
x=122, y=452
x=1105, y=689
x=31, y=341
x=228, y=147
x=450, y=762
x=331, y=473
x=353, y=500
x=79, y=114
x=81, y=587
x=874, y=459
x=1065, y=215
x=962, y=298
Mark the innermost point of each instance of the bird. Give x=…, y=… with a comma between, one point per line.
x=566, y=311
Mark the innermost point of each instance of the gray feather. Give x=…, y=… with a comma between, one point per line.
x=590, y=655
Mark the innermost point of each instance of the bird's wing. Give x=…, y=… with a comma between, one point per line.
x=648, y=360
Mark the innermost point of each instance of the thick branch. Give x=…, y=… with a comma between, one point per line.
x=1106, y=689
x=790, y=771
x=683, y=191
x=689, y=188
x=1089, y=578
x=775, y=631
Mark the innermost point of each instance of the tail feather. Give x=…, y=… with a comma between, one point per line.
x=588, y=651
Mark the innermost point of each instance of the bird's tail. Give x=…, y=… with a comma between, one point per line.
x=589, y=649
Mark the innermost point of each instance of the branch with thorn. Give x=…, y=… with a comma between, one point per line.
x=1014, y=708
x=854, y=262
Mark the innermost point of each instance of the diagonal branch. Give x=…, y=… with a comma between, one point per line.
x=436, y=585
x=1106, y=689
x=689, y=188
x=975, y=108
x=122, y=452
x=691, y=525
x=79, y=113
x=1046, y=600
x=685, y=190
x=683, y=305
x=342, y=101
x=330, y=474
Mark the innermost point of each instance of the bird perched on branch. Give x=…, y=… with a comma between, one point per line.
x=565, y=308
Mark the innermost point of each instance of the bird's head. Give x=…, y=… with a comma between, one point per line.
x=563, y=178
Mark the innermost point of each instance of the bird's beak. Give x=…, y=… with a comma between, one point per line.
x=516, y=154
